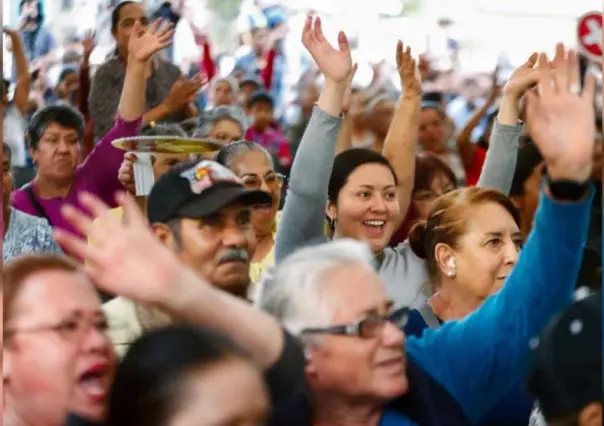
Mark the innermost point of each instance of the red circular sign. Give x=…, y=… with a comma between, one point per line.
x=589, y=33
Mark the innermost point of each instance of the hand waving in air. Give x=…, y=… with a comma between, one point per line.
x=522, y=79
x=335, y=64
x=144, y=44
x=561, y=116
x=409, y=73
x=126, y=258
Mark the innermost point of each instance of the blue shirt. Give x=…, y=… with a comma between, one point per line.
x=478, y=359
x=513, y=410
x=460, y=371
x=27, y=234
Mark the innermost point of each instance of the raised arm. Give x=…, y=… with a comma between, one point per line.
x=465, y=146
x=304, y=211
x=345, y=136
x=500, y=162
x=153, y=276
x=401, y=141
x=21, y=96
x=103, y=163
x=494, y=340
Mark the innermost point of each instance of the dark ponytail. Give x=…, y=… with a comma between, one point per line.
x=417, y=238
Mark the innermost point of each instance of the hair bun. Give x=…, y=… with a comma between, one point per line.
x=417, y=238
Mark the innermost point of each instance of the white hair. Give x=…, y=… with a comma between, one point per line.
x=292, y=291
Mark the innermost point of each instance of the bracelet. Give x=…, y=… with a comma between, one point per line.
x=567, y=190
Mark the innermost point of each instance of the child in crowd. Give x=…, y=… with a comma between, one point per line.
x=263, y=131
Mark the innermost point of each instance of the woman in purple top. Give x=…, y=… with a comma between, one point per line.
x=55, y=134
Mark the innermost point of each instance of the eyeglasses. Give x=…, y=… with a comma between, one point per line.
x=367, y=328
x=273, y=181
x=71, y=329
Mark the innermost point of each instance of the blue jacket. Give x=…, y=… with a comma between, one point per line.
x=460, y=371
x=513, y=410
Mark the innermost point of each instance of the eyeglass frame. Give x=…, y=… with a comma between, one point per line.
x=354, y=329
x=281, y=178
x=60, y=327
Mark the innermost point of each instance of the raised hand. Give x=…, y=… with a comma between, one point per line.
x=88, y=44
x=495, y=87
x=522, y=79
x=409, y=73
x=334, y=64
x=560, y=117
x=144, y=44
x=184, y=91
x=126, y=258
x=348, y=92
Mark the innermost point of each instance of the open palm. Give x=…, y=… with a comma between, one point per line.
x=523, y=78
x=334, y=64
x=409, y=73
x=560, y=120
x=126, y=259
x=143, y=45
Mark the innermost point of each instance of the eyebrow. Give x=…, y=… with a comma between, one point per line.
x=500, y=234
x=373, y=187
x=375, y=311
x=257, y=174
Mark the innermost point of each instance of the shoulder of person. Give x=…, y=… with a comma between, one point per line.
x=19, y=199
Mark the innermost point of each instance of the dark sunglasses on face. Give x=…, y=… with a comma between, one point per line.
x=367, y=328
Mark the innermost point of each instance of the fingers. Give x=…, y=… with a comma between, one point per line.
x=343, y=42
x=589, y=88
x=399, y=54
x=545, y=75
x=574, y=73
x=561, y=69
x=307, y=31
x=132, y=214
x=130, y=157
x=318, y=31
x=532, y=61
x=154, y=26
x=80, y=220
x=76, y=245
x=136, y=29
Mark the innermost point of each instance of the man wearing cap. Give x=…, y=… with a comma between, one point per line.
x=566, y=373
x=202, y=212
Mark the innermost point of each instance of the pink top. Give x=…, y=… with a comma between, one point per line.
x=96, y=175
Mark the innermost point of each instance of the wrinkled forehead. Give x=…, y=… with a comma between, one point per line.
x=53, y=295
x=353, y=291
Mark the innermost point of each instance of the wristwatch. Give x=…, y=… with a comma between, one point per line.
x=567, y=190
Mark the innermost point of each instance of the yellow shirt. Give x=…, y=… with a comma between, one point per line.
x=257, y=269
x=117, y=212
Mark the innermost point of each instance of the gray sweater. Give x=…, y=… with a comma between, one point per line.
x=303, y=217
x=106, y=91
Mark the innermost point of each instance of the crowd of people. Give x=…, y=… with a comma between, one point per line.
x=372, y=264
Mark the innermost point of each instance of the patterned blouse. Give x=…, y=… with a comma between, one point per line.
x=27, y=234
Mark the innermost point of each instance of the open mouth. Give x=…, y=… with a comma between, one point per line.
x=264, y=209
x=94, y=382
x=374, y=227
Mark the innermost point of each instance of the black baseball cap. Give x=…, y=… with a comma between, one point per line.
x=566, y=372
x=198, y=189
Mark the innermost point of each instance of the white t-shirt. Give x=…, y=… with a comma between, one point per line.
x=14, y=127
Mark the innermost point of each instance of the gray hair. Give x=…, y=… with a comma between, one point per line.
x=231, y=81
x=292, y=292
x=228, y=152
x=214, y=116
